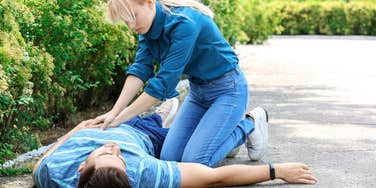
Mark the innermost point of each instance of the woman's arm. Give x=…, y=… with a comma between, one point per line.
x=141, y=104
x=197, y=175
x=131, y=87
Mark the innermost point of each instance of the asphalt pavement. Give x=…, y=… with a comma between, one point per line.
x=321, y=96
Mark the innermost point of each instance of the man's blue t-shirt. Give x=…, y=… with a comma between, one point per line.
x=59, y=169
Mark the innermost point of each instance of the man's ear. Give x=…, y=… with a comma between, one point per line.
x=81, y=167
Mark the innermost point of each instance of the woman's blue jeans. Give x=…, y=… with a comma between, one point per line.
x=210, y=122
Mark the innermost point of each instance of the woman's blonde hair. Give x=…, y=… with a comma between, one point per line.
x=119, y=9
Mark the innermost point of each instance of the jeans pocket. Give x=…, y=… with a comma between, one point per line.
x=226, y=81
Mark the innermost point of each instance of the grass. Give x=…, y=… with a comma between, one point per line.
x=12, y=171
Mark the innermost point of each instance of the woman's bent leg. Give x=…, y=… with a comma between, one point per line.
x=181, y=129
x=216, y=126
x=237, y=138
x=227, y=97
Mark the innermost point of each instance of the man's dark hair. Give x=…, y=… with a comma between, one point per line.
x=103, y=178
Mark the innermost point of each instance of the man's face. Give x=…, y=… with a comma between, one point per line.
x=108, y=155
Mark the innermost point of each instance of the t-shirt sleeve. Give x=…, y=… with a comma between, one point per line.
x=158, y=173
x=41, y=175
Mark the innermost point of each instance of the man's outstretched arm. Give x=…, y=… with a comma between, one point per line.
x=197, y=175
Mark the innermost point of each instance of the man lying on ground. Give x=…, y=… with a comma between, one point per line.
x=127, y=156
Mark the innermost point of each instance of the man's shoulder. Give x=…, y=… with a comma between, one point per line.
x=158, y=173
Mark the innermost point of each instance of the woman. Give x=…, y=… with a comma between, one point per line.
x=182, y=37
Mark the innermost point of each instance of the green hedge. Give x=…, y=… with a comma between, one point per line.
x=227, y=17
x=25, y=72
x=258, y=21
x=261, y=19
x=88, y=52
x=56, y=56
x=327, y=18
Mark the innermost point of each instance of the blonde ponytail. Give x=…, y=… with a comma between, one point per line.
x=188, y=3
x=120, y=9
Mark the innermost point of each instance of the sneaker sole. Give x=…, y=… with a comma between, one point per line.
x=172, y=113
x=263, y=116
x=267, y=116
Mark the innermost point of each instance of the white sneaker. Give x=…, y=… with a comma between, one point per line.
x=167, y=111
x=257, y=141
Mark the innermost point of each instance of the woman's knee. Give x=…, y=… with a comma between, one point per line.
x=170, y=153
x=196, y=160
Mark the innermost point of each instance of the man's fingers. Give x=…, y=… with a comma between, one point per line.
x=103, y=126
x=87, y=122
x=305, y=167
x=313, y=178
x=107, y=121
x=306, y=171
x=96, y=121
x=306, y=181
x=308, y=176
x=93, y=125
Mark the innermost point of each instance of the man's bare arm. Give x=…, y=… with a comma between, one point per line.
x=197, y=175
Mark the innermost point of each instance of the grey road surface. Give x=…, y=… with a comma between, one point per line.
x=321, y=97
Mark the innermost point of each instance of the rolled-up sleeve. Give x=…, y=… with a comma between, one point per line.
x=183, y=39
x=143, y=65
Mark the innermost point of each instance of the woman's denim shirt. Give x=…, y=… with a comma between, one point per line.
x=182, y=41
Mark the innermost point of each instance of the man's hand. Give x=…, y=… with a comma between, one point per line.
x=104, y=125
x=114, y=123
x=112, y=119
x=84, y=124
x=103, y=120
x=295, y=173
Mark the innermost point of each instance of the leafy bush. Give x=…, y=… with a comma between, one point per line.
x=359, y=18
x=227, y=17
x=340, y=18
x=299, y=18
x=373, y=23
x=87, y=50
x=258, y=22
x=55, y=56
x=25, y=72
x=333, y=19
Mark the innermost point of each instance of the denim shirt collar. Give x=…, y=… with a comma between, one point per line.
x=158, y=22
